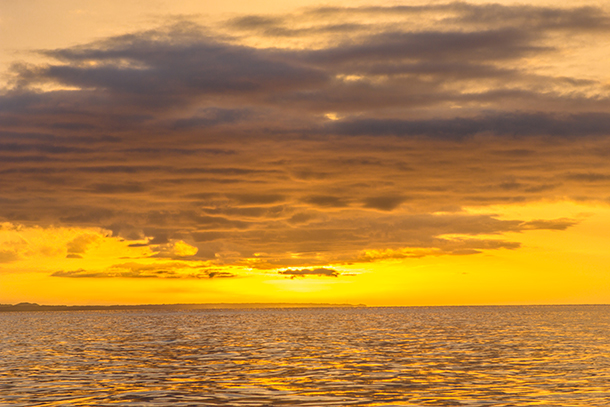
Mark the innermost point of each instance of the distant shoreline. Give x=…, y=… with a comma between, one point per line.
x=254, y=305
x=36, y=307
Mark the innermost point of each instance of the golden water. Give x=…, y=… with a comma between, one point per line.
x=438, y=356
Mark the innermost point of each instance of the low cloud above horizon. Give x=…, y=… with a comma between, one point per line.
x=301, y=142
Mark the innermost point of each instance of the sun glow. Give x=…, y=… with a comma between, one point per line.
x=549, y=266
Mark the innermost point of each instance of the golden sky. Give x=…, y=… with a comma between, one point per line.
x=386, y=153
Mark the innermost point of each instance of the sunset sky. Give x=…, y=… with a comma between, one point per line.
x=385, y=153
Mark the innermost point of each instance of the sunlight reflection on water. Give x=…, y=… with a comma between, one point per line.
x=437, y=356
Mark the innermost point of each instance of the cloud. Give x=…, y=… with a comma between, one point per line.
x=384, y=203
x=8, y=255
x=126, y=188
x=174, y=249
x=501, y=124
x=587, y=18
x=170, y=66
x=208, y=236
x=554, y=224
x=172, y=270
x=213, y=144
x=394, y=254
x=301, y=217
x=325, y=272
x=32, y=247
x=257, y=199
x=588, y=177
x=212, y=116
x=127, y=77
x=79, y=244
x=478, y=46
x=249, y=212
x=454, y=247
x=327, y=201
x=323, y=20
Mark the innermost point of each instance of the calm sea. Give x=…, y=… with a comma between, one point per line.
x=437, y=356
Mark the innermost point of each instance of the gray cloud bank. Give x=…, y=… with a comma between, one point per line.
x=372, y=134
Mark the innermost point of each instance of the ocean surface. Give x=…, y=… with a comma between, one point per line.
x=428, y=356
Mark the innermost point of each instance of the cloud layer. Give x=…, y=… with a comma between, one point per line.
x=292, y=142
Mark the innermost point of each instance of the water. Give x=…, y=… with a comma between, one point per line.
x=439, y=356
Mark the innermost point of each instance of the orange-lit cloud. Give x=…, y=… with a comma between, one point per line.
x=310, y=272
x=138, y=270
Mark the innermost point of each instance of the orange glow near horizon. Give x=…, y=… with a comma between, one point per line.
x=551, y=267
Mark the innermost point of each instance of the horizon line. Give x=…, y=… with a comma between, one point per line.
x=28, y=306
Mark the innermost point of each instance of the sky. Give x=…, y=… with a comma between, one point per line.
x=391, y=153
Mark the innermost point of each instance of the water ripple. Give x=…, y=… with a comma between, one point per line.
x=440, y=356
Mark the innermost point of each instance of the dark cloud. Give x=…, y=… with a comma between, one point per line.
x=301, y=217
x=588, y=177
x=587, y=18
x=212, y=117
x=476, y=16
x=224, y=171
x=503, y=124
x=159, y=236
x=192, y=218
x=180, y=151
x=283, y=26
x=384, y=203
x=327, y=201
x=129, y=75
x=257, y=199
x=541, y=188
x=9, y=255
x=271, y=212
x=310, y=272
x=255, y=21
x=167, y=67
x=79, y=244
x=125, y=188
x=485, y=45
x=441, y=247
x=220, y=274
x=208, y=236
x=137, y=270
x=86, y=215
x=554, y=224
x=42, y=148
